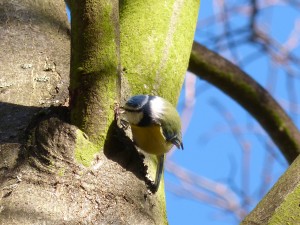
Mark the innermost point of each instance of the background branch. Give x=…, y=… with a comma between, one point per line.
x=253, y=97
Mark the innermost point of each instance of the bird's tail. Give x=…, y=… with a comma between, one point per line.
x=159, y=171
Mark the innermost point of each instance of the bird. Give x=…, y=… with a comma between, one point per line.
x=155, y=126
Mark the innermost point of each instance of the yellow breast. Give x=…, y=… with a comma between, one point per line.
x=150, y=139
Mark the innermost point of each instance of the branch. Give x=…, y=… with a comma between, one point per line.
x=281, y=204
x=249, y=94
x=94, y=66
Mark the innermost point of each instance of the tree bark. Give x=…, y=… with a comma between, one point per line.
x=95, y=60
x=49, y=170
x=40, y=180
x=155, y=46
x=281, y=204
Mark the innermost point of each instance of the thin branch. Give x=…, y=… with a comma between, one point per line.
x=204, y=189
x=242, y=142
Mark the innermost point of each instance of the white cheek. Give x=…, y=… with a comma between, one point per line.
x=157, y=106
x=134, y=117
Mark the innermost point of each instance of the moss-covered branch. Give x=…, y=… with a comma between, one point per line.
x=94, y=65
x=248, y=93
x=281, y=204
x=156, y=39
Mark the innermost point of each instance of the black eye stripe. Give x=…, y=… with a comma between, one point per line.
x=133, y=110
x=140, y=105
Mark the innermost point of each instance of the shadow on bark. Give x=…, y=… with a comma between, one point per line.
x=14, y=120
x=40, y=177
x=120, y=148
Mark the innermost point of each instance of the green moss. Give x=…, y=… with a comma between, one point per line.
x=151, y=161
x=84, y=149
x=288, y=212
x=156, y=40
x=162, y=197
x=94, y=64
x=61, y=172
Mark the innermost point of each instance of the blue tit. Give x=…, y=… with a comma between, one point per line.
x=155, y=126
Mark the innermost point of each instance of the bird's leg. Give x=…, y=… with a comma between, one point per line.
x=159, y=171
x=124, y=124
x=118, y=110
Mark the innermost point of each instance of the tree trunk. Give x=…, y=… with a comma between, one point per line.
x=45, y=176
x=40, y=181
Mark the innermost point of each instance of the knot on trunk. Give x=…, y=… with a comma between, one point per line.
x=51, y=140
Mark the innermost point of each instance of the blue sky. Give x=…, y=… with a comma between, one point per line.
x=211, y=149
